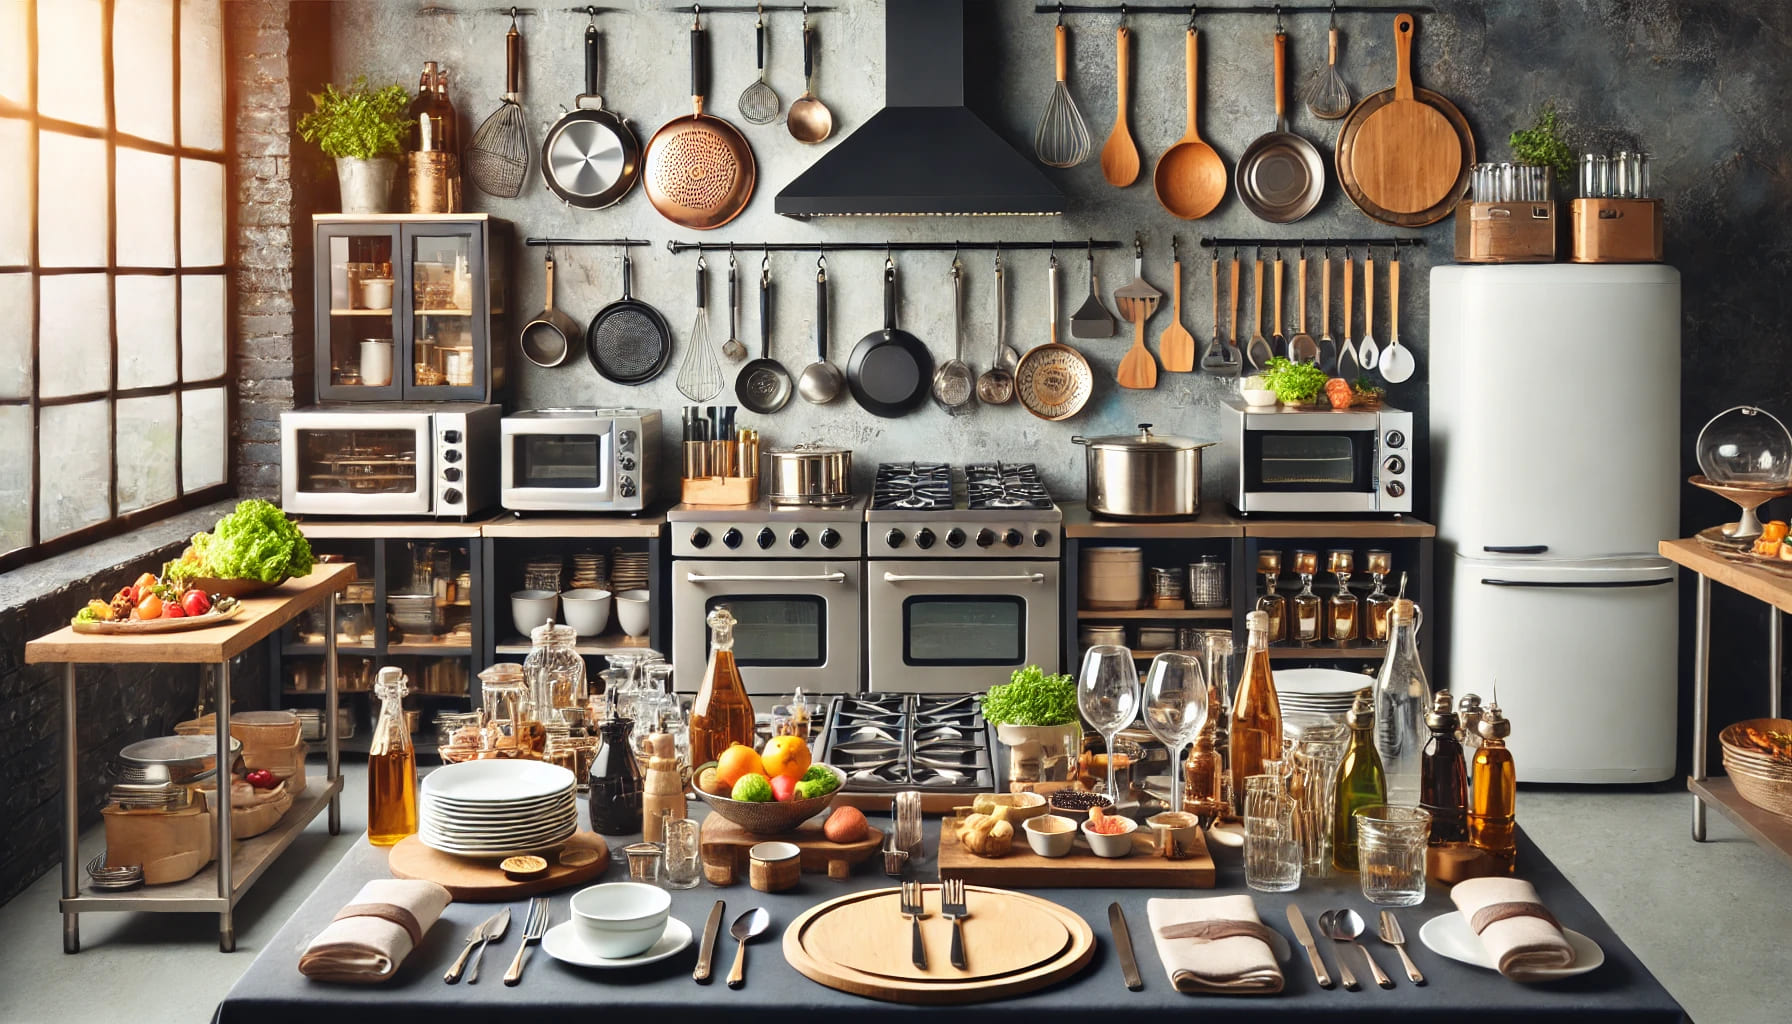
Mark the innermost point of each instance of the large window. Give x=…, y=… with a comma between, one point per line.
x=114, y=369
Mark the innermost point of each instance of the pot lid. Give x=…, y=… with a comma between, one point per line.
x=809, y=449
x=1143, y=441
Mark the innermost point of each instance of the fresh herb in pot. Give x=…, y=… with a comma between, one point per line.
x=361, y=122
x=1294, y=383
x=1545, y=143
x=1032, y=697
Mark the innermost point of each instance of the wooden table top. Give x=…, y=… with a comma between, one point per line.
x=1759, y=584
x=261, y=616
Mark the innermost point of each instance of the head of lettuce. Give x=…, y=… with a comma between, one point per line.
x=256, y=542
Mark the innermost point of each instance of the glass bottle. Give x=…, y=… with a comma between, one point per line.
x=1492, y=815
x=391, y=765
x=1218, y=648
x=1256, y=720
x=554, y=670
x=513, y=728
x=1402, y=697
x=615, y=782
x=1203, y=776
x=1342, y=617
x=1443, y=786
x=1468, y=733
x=722, y=714
x=1379, y=603
x=1272, y=604
x=1360, y=780
x=446, y=115
x=1306, y=606
x=423, y=115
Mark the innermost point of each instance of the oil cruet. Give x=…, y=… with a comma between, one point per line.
x=391, y=765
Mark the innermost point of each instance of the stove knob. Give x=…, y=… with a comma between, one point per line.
x=451, y=455
x=1394, y=464
x=986, y=537
x=627, y=462
x=955, y=538
x=732, y=538
x=699, y=538
x=830, y=537
x=1396, y=439
x=451, y=436
x=625, y=440
x=451, y=474
x=799, y=538
x=894, y=538
x=1395, y=488
x=1041, y=538
x=923, y=538
x=452, y=495
x=766, y=537
x=1012, y=538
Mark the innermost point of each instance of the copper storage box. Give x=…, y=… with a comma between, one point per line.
x=1518, y=232
x=1617, y=230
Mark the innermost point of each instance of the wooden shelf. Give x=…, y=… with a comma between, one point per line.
x=361, y=312
x=1318, y=653
x=595, y=646
x=1215, y=523
x=388, y=218
x=432, y=650
x=1156, y=613
x=1760, y=584
x=445, y=312
x=366, y=650
x=1394, y=528
x=547, y=526
x=1765, y=828
x=381, y=529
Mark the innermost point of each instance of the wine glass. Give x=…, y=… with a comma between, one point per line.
x=1175, y=708
x=1107, y=694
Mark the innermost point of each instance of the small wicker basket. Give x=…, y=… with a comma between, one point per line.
x=1761, y=779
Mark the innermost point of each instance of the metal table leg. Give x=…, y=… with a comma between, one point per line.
x=1773, y=661
x=226, y=877
x=1701, y=692
x=332, y=739
x=71, y=813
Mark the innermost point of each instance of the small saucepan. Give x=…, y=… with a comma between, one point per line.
x=550, y=336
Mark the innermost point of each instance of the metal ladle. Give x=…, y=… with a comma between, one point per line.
x=996, y=384
x=809, y=119
x=821, y=381
x=1345, y=926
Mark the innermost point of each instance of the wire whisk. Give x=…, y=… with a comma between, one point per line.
x=700, y=374
x=498, y=159
x=1328, y=96
x=1062, y=138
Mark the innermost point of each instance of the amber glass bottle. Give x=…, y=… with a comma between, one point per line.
x=391, y=766
x=1492, y=818
x=722, y=714
x=1256, y=727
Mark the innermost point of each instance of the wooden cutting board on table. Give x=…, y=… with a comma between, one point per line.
x=1081, y=868
x=724, y=848
x=480, y=881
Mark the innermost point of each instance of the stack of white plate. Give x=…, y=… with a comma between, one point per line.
x=497, y=808
x=1319, y=691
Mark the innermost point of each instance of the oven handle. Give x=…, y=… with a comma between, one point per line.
x=1025, y=577
x=825, y=577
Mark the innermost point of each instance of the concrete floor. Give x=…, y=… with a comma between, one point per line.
x=1709, y=921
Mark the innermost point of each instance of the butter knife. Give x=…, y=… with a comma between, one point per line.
x=706, y=952
x=491, y=929
x=1129, y=965
x=1305, y=935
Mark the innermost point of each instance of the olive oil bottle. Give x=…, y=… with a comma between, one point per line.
x=722, y=713
x=1360, y=781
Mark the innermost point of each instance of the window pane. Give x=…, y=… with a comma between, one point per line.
x=15, y=202
x=71, y=188
x=201, y=327
x=15, y=479
x=202, y=439
x=75, y=440
x=69, y=82
x=201, y=213
x=145, y=209
x=145, y=331
x=143, y=69
x=15, y=67
x=146, y=438
x=201, y=75
x=74, y=334
x=15, y=337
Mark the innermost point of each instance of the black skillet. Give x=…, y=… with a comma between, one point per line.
x=590, y=157
x=891, y=371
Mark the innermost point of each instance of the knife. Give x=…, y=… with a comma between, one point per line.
x=489, y=930
x=1305, y=935
x=1129, y=966
x=706, y=952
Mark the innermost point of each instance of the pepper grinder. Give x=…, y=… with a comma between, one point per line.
x=616, y=790
x=662, y=798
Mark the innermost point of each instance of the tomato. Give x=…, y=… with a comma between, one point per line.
x=261, y=778
x=195, y=602
x=172, y=610
x=150, y=607
x=145, y=582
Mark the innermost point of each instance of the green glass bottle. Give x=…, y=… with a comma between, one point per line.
x=1360, y=780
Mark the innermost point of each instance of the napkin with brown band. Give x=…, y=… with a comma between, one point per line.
x=369, y=938
x=1217, y=945
x=1517, y=930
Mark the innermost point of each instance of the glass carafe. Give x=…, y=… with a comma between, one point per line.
x=554, y=670
x=722, y=713
x=1270, y=603
x=1379, y=603
x=1305, y=608
x=1402, y=697
x=391, y=766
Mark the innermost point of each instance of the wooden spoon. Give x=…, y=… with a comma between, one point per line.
x=1119, y=157
x=1176, y=344
x=1258, y=351
x=1190, y=178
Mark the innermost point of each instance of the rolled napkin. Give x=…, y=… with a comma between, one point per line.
x=371, y=936
x=1217, y=945
x=1514, y=926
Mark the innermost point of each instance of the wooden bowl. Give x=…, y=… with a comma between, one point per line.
x=772, y=818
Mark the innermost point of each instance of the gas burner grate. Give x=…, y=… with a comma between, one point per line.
x=925, y=486
x=890, y=742
x=1001, y=485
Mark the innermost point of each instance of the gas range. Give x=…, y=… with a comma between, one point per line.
x=889, y=742
x=767, y=530
x=1002, y=511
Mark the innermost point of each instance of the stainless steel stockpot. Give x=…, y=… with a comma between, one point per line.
x=1143, y=474
x=809, y=474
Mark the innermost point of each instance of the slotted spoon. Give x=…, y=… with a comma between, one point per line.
x=498, y=158
x=759, y=104
x=1062, y=138
x=700, y=374
x=1366, y=352
x=1092, y=319
x=954, y=383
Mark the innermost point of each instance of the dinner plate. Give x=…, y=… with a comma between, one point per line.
x=512, y=851
x=491, y=809
x=505, y=782
x=501, y=821
x=1320, y=683
x=469, y=837
x=1449, y=935
x=564, y=943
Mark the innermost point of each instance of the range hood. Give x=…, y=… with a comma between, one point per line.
x=925, y=153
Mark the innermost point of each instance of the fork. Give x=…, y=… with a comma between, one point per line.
x=914, y=908
x=533, y=929
x=952, y=907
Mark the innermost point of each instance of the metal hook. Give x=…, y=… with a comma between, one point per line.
x=1334, y=15
x=731, y=260
x=591, y=13
x=1278, y=19
x=765, y=262
x=889, y=256
x=1175, y=250
x=1122, y=15
x=513, y=17
x=701, y=262
x=758, y=15
x=1191, y=16
x=696, y=16
x=1060, y=14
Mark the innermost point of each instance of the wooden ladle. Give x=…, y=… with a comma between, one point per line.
x=1190, y=178
x=1119, y=156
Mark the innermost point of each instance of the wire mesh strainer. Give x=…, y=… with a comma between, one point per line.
x=498, y=159
x=758, y=103
x=954, y=383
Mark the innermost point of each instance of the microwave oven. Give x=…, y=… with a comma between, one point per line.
x=1319, y=460
x=390, y=460
x=579, y=460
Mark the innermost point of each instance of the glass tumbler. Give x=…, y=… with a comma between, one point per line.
x=682, y=868
x=1272, y=854
x=1318, y=750
x=1390, y=847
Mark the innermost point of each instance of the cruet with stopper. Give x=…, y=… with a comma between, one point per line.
x=1273, y=605
x=391, y=765
x=722, y=713
x=1306, y=605
x=1402, y=696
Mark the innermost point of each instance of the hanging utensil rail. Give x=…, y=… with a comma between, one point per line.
x=827, y=247
x=1192, y=10
x=1312, y=243
x=749, y=9
x=613, y=242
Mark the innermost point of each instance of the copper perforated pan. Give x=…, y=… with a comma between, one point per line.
x=699, y=169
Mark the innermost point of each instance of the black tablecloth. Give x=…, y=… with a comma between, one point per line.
x=273, y=991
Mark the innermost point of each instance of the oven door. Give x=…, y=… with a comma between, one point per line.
x=356, y=463
x=959, y=627
x=796, y=622
x=1308, y=471
x=557, y=464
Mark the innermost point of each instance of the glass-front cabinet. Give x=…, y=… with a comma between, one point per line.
x=411, y=307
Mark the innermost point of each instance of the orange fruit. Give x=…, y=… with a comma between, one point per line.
x=737, y=762
x=786, y=755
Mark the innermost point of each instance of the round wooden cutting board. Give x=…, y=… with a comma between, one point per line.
x=480, y=881
x=1400, y=154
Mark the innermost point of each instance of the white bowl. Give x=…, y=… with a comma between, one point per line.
x=1257, y=397
x=634, y=612
x=1050, y=844
x=531, y=608
x=586, y=611
x=621, y=919
x=1111, y=846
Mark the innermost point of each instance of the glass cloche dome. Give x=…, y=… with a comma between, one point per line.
x=1745, y=447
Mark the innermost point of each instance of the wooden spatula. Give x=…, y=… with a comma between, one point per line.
x=1137, y=368
x=1176, y=343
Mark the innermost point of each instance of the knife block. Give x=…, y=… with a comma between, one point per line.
x=1616, y=230
x=1506, y=232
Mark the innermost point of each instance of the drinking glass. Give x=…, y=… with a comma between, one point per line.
x=1107, y=694
x=1175, y=709
x=682, y=868
x=1319, y=744
x=1272, y=855
x=1390, y=849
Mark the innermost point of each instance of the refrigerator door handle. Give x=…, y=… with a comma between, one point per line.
x=1570, y=585
x=1516, y=549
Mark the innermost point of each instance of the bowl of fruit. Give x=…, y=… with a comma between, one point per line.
x=769, y=792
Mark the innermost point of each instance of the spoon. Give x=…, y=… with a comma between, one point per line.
x=750, y=926
x=1348, y=364
x=1397, y=364
x=821, y=380
x=1119, y=156
x=1345, y=926
x=1366, y=352
x=809, y=119
x=996, y=384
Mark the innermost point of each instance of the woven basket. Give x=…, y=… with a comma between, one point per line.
x=771, y=818
x=1761, y=779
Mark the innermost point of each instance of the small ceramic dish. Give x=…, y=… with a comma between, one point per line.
x=1050, y=835
x=1119, y=845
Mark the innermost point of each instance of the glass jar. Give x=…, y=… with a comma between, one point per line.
x=554, y=670
x=512, y=727
x=1207, y=583
x=1391, y=843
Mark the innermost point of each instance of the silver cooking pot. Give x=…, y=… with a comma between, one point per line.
x=1143, y=474
x=809, y=474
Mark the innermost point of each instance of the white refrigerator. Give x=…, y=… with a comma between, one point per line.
x=1555, y=455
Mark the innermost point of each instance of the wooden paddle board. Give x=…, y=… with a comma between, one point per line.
x=480, y=881
x=1406, y=155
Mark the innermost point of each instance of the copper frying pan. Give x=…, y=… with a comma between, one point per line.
x=699, y=170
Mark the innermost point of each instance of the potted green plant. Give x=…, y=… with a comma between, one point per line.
x=363, y=128
x=1035, y=715
x=1545, y=144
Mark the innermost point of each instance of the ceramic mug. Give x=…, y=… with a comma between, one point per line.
x=376, y=362
x=1174, y=833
